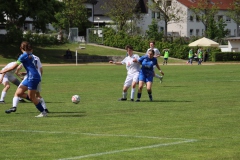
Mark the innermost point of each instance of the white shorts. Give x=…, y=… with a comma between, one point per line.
x=131, y=78
x=8, y=77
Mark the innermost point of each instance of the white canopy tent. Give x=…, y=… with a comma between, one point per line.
x=204, y=42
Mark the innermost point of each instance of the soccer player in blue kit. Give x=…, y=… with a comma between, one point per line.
x=33, y=78
x=147, y=73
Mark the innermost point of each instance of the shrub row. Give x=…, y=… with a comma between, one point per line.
x=141, y=44
x=225, y=56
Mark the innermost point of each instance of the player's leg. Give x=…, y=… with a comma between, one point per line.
x=38, y=95
x=42, y=101
x=164, y=61
x=140, y=86
x=19, y=93
x=134, y=83
x=149, y=89
x=126, y=85
x=32, y=89
x=158, y=76
x=190, y=60
x=16, y=82
x=4, y=91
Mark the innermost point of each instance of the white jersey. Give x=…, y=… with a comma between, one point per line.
x=38, y=64
x=131, y=66
x=156, y=52
x=8, y=66
x=9, y=76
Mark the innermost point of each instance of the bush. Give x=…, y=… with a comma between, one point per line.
x=14, y=35
x=225, y=56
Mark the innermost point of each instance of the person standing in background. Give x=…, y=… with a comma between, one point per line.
x=190, y=56
x=200, y=56
x=165, y=56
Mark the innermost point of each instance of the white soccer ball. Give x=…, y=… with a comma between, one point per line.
x=76, y=99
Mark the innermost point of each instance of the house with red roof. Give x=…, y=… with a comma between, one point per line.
x=191, y=26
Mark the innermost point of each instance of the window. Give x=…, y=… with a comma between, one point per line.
x=89, y=12
x=228, y=32
x=159, y=2
x=191, y=32
x=197, y=32
x=197, y=18
x=158, y=15
x=220, y=17
x=47, y=26
x=228, y=19
x=161, y=29
x=202, y=32
x=191, y=18
x=169, y=3
x=153, y=14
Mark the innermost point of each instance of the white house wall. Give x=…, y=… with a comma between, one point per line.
x=184, y=27
x=231, y=25
x=147, y=20
x=234, y=46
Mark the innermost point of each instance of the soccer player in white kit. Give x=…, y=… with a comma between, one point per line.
x=5, y=79
x=156, y=55
x=132, y=73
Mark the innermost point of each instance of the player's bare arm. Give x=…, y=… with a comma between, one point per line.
x=117, y=63
x=9, y=69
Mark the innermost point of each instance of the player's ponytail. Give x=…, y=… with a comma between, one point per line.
x=26, y=46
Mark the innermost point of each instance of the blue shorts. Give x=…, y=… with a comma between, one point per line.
x=31, y=84
x=146, y=77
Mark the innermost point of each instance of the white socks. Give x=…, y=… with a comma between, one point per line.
x=156, y=75
x=132, y=93
x=3, y=95
x=124, y=94
x=15, y=101
x=43, y=103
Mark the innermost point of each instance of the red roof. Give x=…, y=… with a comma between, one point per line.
x=222, y=4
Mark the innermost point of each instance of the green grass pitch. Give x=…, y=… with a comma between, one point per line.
x=195, y=114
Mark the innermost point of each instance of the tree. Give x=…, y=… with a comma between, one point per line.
x=74, y=14
x=153, y=33
x=170, y=11
x=234, y=13
x=120, y=11
x=205, y=11
x=14, y=13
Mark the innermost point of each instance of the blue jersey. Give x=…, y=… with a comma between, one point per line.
x=28, y=62
x=147, y=65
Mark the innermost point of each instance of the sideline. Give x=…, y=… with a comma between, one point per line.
x=106, y=63
x=169, y=64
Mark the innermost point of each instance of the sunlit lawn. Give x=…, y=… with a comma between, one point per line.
x=194, y=115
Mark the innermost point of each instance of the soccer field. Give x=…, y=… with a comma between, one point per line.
x=194, y=115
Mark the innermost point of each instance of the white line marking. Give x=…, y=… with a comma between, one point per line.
x=127, y=150
x=180, y=141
